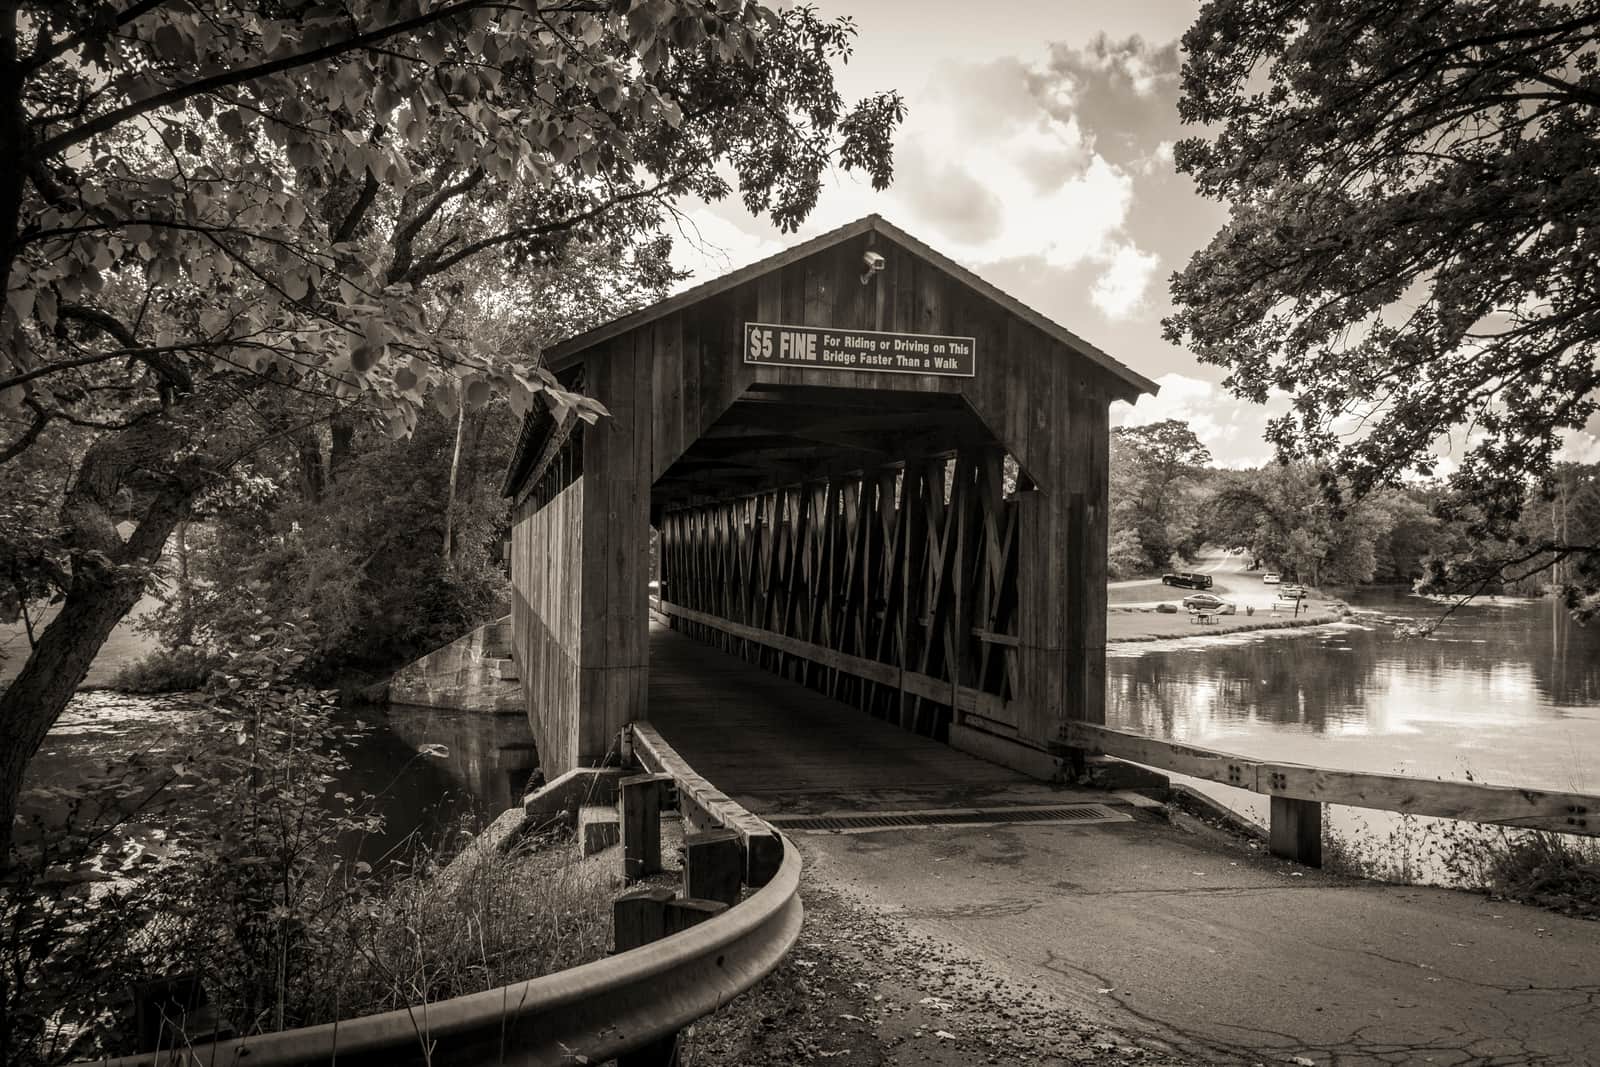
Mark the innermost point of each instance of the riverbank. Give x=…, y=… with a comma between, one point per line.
x=1133, y=625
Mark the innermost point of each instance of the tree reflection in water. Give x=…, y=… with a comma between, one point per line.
x=1504, y=687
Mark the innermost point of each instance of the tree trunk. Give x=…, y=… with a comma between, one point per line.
x=96, y=601
x=313, y=476
x=108, y=573
x=343, y=429
x=185, y=588
x=450, y=495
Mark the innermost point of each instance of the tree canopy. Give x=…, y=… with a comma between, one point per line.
x=226, y=222
x=287, y=179
x=1154, y=470
x=1413, y=247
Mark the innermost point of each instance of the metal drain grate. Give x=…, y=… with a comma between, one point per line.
x=924, y=819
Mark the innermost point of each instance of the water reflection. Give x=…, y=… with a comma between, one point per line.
x=489, y=757
x=433, y=770
x=428, y=769
x=1506, y=690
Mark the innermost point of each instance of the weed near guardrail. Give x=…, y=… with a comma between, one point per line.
x=1549, y=870
x=532, y=910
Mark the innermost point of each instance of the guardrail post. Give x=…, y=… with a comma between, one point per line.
x=1296, y=830
x=713, y=866
x=641, y=825
x=684, y=912
x=639, y=917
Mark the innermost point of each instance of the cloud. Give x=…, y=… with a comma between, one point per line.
x=1230, y=427
x=1121, y=288
x=1062, y=163
x=1130, y=87
x=1001, y=176
x=998, y=160
x=951, y=198
x=1582, y=446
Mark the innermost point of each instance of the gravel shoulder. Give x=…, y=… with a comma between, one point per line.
x=860, y=989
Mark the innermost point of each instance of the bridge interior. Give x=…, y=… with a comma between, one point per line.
x=775, y=745
x=860, y=543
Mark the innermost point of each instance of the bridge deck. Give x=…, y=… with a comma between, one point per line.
x=779, y=746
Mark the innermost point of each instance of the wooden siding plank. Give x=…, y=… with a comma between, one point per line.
x=546, y=562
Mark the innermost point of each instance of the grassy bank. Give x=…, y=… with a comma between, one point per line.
x=349, y=943
x=1129, y=626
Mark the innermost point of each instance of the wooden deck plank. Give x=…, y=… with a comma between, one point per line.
x=756, y=734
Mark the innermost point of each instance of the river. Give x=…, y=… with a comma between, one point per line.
x=1505, y=691
x=429, y=770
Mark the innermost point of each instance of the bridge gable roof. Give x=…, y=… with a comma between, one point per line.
x=1015, y=397
x=564, y=352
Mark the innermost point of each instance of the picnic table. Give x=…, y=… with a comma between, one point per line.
x=1204, y=618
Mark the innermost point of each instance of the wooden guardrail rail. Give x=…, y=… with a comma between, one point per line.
x=963, y=698
x=706, y=807
x=1299, y=791
x=679, y=956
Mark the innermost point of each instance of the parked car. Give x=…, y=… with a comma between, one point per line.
x=1272, y=578
x=1210, y=602
x=1188, y=579
x=1291, y=592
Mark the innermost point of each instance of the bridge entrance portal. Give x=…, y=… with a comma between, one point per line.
x=865, y=469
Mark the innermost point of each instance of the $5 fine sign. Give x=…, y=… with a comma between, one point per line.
x=824, y=348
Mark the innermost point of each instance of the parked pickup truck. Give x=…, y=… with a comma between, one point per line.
x=1187, y=579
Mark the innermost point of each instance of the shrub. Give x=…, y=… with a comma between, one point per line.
x=1551, y=870
x=178, y=670
x=250, y=884
x=1548, y=870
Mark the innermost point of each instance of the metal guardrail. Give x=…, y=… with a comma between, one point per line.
x=586, y=1014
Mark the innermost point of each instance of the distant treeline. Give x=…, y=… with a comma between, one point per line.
x=1167, y=500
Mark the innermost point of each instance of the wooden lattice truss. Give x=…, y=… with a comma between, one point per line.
x=893, y=589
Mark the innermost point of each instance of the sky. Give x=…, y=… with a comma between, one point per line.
x=1037, y=152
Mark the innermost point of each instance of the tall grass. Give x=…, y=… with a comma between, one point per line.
x=353, y=943
x=1560, y=872
x=529, y=911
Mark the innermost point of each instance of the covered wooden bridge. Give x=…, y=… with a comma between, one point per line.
x=857, y=465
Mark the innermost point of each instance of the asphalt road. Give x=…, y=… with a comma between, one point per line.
x=1166, y=930
x=1239, y=958
x=1231, y=580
